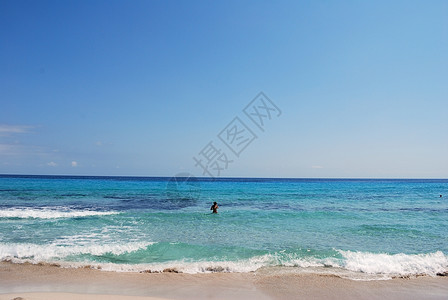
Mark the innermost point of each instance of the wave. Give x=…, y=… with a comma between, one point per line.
x=50, y=213
x=119, y=258
x=377, y=265
x=396, y=265
x=52, y=252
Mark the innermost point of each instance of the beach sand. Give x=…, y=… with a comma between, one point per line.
x=39, y=282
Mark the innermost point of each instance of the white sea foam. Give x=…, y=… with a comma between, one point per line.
x=182, y=266
x=370, y=265
x=352, y=265
x=50, y=213
x=241, y=266
x=355, y=265
x=51, y=252
x=397, y=264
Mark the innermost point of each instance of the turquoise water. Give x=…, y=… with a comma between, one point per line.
x=377, y=228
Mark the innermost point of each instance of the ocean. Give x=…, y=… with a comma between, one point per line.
x=362, y=229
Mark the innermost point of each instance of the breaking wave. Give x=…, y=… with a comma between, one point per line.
x=50, y=213
x=348, y=264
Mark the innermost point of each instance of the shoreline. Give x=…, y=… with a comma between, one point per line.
x=71, y=296
x=36, y=282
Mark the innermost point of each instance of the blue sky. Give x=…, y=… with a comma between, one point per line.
x=141, y=87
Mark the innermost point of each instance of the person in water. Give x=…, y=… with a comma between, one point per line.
x=214, y=207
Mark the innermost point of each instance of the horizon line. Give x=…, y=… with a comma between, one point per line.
x=221, y=178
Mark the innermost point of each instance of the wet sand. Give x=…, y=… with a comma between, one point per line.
x=38, y=282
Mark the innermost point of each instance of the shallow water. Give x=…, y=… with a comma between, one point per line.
x=377, y=228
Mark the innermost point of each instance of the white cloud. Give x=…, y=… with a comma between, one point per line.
x=11, y=144
x=317, y=167
x=11, y=149
x=22, y=150
x=74, y=164
x=10, y=129
x=52, y=164
x=5, y=148
x=101, y=143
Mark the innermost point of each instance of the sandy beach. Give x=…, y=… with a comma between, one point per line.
x=226, y=150
x=38, y=282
